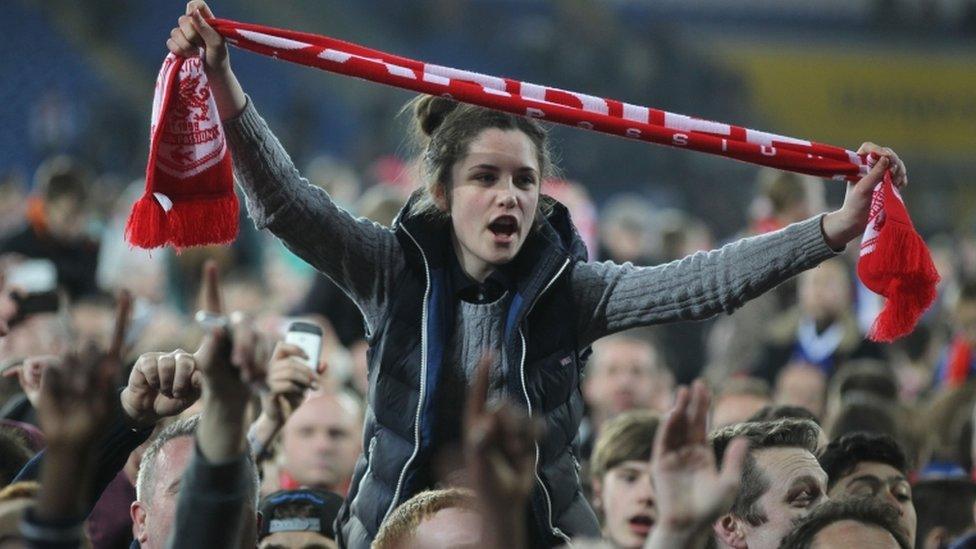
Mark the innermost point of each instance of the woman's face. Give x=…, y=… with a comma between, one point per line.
x=494, y=197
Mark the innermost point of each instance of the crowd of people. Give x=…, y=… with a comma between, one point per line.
x=480, y=382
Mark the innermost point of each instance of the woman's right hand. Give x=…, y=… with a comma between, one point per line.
x=192, y=33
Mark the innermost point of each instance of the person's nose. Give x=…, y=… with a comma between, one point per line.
x=508, y=198
x=893, y=501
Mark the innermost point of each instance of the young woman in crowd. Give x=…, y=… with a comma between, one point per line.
x=479, y=259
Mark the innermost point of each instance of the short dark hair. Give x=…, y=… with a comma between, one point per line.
x=62, y=176
x=867, y=414
x=783, y=433
x=865, y=510
x=946, y=503
x=865, y=375
x=841, y=456
x=772, y=412
x=629, y=436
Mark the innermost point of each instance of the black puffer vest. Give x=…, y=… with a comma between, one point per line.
x=407, y=353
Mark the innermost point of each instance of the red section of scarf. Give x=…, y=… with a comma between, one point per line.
x=189, y=198
x=894, y=262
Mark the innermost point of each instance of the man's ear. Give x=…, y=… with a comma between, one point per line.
x=138, y=514
x=728, y=532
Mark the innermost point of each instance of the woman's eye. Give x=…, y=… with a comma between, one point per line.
x=526, y=181
x=485, y=177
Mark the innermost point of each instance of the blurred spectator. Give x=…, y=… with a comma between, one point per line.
x=620, y=474
x=737, y=400
x=57, y=218
x=945, y=510
x=624, y=373
x=298, y=518
x=735, y=342
x=680, y=235
x=946, y=425
x=803, y=385
x=625, y=230
x=320, y=443
x=821, y=330
x=435, y=519
x=581, y=208
x=869, y=415
x=13, y=195
x=956, y=363
x=857, y=522
x=859, y=378
x=781, y=481
x=865, y=464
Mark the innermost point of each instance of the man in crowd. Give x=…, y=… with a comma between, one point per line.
x=321, y=441
x=856, y=522
x=874, y=465
x=781, y=482
x=624, y=373
x=945, y=511
x=738, y=399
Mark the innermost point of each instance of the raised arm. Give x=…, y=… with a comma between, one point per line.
x=361, y=256
x=612, y=297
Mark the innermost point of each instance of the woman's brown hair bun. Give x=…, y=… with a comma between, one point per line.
x=431, y=110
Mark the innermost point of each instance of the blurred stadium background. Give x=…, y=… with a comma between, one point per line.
x=78, y=78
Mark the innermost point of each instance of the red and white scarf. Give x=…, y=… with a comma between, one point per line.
x=894, y=260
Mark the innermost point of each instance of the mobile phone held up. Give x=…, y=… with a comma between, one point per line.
x=307, y=337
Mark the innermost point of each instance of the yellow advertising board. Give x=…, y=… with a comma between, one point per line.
x=918, y=103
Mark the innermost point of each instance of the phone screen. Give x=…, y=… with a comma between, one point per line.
x=307, y=337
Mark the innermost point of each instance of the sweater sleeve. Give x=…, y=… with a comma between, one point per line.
x=611, y=297
x=360, y=256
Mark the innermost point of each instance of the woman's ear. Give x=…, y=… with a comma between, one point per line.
x=439, y=194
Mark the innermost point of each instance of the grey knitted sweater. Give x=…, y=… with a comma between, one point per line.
x=364, y=258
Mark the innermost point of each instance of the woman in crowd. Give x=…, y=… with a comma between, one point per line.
x=480, y=260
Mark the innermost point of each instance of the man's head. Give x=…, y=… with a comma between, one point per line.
x=865, y=414
x=802, y=384
x=825, y=291
x=868, y=464
x=433, y=519
x=620, y=472
x=625, y=373
x=737, y=400
x=856, y=522
x=945, y=510
x=297, y=519
x=790, y=197
x=322, y=440
x=781, y=481
x=857, y=378
x=158, y=484
x=964, y=312
x=63, y=186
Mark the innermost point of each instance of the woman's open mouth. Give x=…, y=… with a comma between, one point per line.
x=504, y=228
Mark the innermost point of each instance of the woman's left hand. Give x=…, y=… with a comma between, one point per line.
x=847, y=223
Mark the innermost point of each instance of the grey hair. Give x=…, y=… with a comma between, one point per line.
x=186, y=427
x=783, y=433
